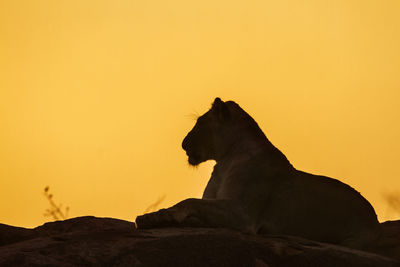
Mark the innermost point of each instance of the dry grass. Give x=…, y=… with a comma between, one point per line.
x=153, y=206
x=393, y=202
x=55, y=211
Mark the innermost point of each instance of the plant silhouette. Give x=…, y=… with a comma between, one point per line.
x=393, y=202
x=55, y=211
x=153, y=206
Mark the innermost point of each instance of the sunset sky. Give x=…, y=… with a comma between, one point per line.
x=96, y=96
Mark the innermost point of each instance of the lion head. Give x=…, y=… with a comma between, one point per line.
x=201, y=143
x=226, y=130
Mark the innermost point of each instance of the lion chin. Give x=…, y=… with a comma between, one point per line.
x=194, y=160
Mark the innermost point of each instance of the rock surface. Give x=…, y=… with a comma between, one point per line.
x=91, y=241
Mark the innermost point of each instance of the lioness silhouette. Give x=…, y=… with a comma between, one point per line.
x=255, y=189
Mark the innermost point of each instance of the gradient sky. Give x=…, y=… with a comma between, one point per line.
x=96, y=96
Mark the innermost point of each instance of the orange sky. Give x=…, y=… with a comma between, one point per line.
x=96, y=96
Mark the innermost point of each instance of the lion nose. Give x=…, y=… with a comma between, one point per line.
x=185, y=143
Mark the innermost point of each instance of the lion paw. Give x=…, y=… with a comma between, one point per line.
x=161, y=218
x=168, y=218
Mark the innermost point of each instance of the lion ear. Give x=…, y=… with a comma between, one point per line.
x=217, y=100
x=221, y=109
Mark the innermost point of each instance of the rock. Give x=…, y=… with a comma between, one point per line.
x=389, y=244
x=91, y=241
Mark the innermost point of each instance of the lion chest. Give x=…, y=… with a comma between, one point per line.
x=227, y=179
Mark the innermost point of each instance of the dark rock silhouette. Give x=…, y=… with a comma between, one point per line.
x=91, y=241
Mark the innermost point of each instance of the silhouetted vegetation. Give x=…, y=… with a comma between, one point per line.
x=55, y=211
x=153, y=206
x=393, y=201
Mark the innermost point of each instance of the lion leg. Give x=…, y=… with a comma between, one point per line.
x=215, y=213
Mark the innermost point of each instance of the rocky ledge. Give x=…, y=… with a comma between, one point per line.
x=91, y=241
